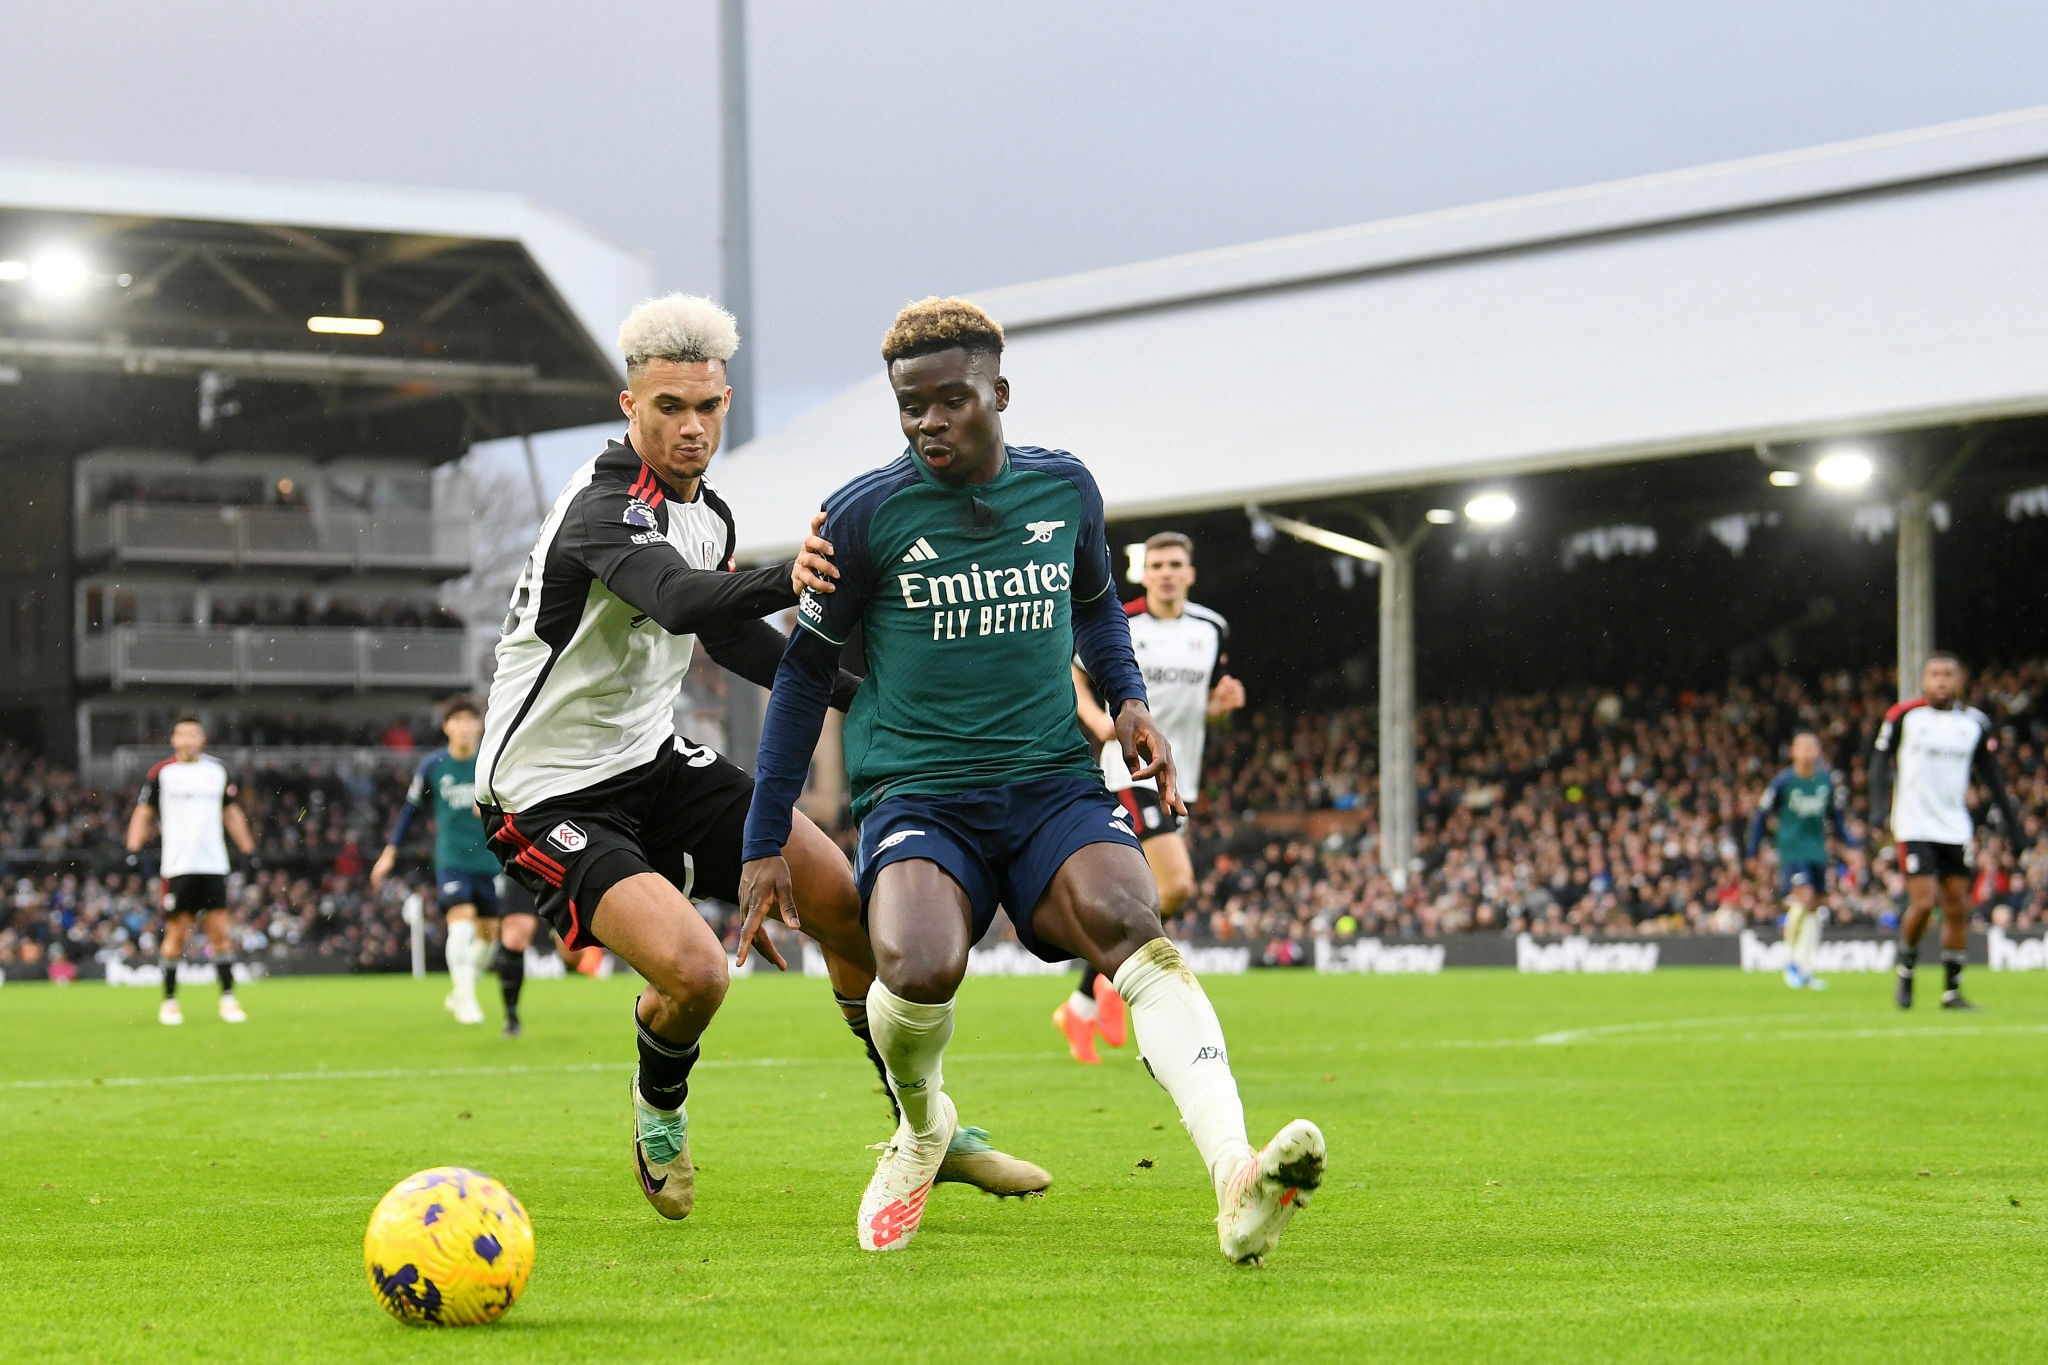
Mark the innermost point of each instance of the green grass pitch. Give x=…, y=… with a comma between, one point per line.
x=1695, y=1165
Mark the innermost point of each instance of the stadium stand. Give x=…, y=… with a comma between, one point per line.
x=1584, y=811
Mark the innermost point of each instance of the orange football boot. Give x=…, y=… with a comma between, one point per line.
x=1110, y=1019
x=1080, y=1033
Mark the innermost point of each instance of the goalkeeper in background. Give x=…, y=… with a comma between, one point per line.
x=1806, y=802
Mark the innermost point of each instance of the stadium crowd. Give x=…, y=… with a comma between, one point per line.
x=1594, y=811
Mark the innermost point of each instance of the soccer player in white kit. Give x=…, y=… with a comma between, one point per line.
x=1928, y=750
x=1181, y=648
x=191, y=798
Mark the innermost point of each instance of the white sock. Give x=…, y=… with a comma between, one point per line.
x=912, y=1039
x=1181, y=1041
x=1807, y=950
x=1082, y=1004
x=462, y=958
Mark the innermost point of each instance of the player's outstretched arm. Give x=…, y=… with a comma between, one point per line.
x=753, y=650
x=1985, y=762
x=1095, y=722
x=1147, y=753
x=789, y=736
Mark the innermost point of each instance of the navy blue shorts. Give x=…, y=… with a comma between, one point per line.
x=468, y=888
x=1003, y=845
x=1790, y=875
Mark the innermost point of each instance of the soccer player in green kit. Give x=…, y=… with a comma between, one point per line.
x=465, y=870
x=1807, y=803
x=975, y=570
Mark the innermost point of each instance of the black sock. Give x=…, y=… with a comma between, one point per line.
x=1952, y=968
x=224, y=972
x=511, y=976
x=1909, y=957
x=859, y=1024
x=664, y=1067
x=170, y=966
x=1088, y=975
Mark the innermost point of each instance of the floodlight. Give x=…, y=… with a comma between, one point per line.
x=1844, y=469
x=1439, y=516
x=1786, y=478
x=1491, y=509
x=348, y=327
x=13, y=270
x=57, y=274
x=1134, y=562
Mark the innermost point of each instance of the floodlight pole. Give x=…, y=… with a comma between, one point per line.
x=1397, y=699
x=1916, y=587
x=1916, y=559
x=735, y=228
x=1395, y=558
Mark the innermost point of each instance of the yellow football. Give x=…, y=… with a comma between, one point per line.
x=448, y=1248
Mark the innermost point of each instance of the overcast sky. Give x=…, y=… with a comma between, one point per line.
x=903, y=148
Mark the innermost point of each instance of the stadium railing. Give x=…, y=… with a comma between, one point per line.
x=255, y=656
x=205, y=533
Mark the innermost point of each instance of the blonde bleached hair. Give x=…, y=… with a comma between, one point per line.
x=935, y=324
x=684, y=328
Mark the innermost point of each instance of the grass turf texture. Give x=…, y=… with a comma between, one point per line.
x=1692, y=1165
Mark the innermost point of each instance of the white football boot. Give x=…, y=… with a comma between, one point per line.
x=169, y=1013
x=894, y=1203
x=1264, y=1192
x=661, y=1157
x=231, y=1011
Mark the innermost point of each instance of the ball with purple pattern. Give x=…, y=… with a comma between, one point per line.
x=448, y=1247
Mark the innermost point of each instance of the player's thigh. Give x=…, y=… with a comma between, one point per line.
x=1102, y=906
x=177, y=928
x=920, y=922
x=456, y=914
x=487, y=928
x=1955, y=898
x=649, y=923
x=1173, y=871
x=827, y=902
x=219, y=929
x=515, y=932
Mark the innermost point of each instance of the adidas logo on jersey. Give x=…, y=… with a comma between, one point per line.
x=920, y=552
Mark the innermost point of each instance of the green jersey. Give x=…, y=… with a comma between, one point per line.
x=965, y=599
x=1806, y=808
x=449, y=785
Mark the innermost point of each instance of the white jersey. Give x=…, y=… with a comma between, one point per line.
x=587, y=681
x=1935, y=751
x=1181, y=659
x=190, y=800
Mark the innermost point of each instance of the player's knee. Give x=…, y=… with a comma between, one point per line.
x=694, y=981
x=923, y=978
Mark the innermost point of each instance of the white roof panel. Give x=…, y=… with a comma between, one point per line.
x=1877, y=284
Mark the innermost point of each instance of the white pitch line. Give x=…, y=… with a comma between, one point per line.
x=430, y=1072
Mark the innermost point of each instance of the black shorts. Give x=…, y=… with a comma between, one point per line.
x=681, y=816
x=459, y=886
x=195, y=893
x=1937, y=860
x=1149, y=816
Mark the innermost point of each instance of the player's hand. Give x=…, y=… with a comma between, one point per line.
x=381, y=869
x=1147, y=754
x=1226, y=696
x=813, y=568
x=765, y=886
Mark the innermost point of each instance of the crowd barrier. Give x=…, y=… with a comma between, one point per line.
x=1849, y=951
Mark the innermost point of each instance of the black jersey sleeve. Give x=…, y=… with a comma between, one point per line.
x=616, y=537
x=753, y=650
x=1984, y=766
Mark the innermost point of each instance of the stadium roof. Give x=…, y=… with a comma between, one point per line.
x=1880, y=284
x=496, y=314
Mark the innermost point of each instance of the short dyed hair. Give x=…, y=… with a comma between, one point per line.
x=684, y=328
x=1164, y=539
x=458, y=704
x=932, y=325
